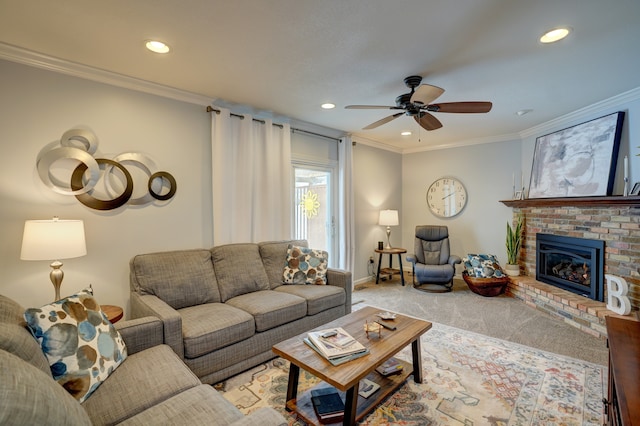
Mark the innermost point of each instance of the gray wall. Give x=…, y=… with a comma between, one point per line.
x=377, y=181
x=37, y=107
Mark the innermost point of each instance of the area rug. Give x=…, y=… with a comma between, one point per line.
x=468, y=379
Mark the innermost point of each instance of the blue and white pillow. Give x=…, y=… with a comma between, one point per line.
x=483, y=266
x=305, y=266
x=80, y=343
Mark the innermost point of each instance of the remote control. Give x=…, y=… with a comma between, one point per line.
x=330, y=334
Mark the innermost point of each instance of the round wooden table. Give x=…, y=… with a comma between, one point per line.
x=113, y=313
x=390, y=271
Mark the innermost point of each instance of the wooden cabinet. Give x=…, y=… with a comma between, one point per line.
x=622, y=406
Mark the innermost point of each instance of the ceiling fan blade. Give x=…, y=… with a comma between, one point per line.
x=383, y=121
x=425, y=94
x=371, y=107
x=427, y=121
x=461, y=107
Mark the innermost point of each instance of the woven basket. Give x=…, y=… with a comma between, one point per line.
x=487, y=287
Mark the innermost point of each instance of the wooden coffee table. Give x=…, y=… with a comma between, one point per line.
x=346, y=377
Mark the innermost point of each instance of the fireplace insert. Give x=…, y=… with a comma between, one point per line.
x=573, y=264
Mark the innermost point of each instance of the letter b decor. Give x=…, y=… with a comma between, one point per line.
x=79, y=146
x=617, y=300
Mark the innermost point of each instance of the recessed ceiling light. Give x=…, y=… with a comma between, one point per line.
x=328, y=105
x=555, y=35
x=523, y=112
x=157, y=46
x=406, y=133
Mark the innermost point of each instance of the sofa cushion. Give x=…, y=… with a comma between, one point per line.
x=28, y=396
x=144, y=380
x=206, y=328
x=319, y=297
x=15, y=338
x=200, y=405
x=270, y=308
x=239, y=270
x=180, y=278
x=305, y=266
x=82, y=346
x=273, y=253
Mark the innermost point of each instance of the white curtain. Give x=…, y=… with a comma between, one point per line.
x=345, y=205
x=251, y=164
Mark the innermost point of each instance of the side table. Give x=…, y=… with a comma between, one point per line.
x=113, y=313
x=390, y=251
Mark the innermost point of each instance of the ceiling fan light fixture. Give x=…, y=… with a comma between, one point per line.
x=157, y=46
x=328, y=105
x=554, y=35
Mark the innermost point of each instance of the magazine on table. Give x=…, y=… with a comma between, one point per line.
x=337, y=360
x=326, y=342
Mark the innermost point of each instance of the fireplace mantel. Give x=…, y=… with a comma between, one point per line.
x=615, y=200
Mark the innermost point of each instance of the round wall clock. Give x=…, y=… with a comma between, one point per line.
x=446, y=197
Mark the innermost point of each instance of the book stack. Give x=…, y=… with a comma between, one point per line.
x=327, y=404
x=389, y=367
x=336, y=345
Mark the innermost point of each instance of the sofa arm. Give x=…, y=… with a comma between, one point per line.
x=140, y=334
x=149, y=305
x=341, y=278
x=263, y=416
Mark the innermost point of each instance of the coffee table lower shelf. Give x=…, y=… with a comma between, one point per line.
x=303, y=406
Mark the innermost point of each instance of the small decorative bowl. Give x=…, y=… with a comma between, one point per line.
x=386, y=315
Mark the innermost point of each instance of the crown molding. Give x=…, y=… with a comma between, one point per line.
x=375, y=144
x=49, y=63
x=583, y=114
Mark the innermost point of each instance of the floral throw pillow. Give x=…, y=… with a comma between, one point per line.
x=483, y=266
x=305, y=266
x=80, y=343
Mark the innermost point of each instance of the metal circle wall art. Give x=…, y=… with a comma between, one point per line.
x=77, y=147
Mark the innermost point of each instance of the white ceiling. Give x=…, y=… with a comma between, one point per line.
x=286, y=57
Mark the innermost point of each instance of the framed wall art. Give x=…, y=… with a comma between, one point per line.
x=579, y=161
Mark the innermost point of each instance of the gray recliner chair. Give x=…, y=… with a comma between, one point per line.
x=432, y=263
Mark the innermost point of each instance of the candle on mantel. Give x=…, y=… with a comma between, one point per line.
x=626, y=168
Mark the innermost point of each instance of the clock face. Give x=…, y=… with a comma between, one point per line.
x=446, y=197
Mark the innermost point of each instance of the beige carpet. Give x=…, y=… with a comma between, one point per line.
x=502, y=317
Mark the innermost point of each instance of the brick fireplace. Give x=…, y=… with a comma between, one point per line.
x=614, y=220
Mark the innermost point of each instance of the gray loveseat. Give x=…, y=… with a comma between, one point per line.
x=152, y=385
x=224, y=308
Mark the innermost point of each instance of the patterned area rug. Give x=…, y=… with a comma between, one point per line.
x=469, y=379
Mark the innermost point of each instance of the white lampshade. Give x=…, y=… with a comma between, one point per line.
x=388, y=218
x=53, y=239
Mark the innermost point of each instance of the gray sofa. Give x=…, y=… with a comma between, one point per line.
x=151, y=386
x=224, y=308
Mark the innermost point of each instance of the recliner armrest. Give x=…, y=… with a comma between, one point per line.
x=412, y=258
x=140, y=334
x=453, y=260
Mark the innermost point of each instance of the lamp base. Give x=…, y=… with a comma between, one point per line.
x=56, y=276
x=388, y=247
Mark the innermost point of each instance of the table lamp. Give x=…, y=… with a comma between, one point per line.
x=388, y=218
x=53, y=239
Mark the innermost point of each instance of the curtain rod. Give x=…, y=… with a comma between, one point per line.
x=293, y=129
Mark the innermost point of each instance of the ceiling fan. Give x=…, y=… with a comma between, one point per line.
x=417, y=104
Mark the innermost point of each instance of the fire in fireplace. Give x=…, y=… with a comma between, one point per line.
x=573, y=264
